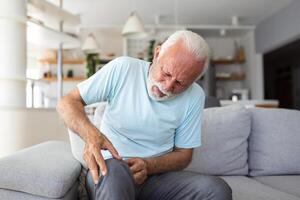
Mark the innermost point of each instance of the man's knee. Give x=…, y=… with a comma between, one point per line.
x=118, y=172
x=215, y=188
x=221, y=189
x=117, y=183
x=115, y=166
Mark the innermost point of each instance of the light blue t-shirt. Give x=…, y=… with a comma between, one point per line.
x=136, y=125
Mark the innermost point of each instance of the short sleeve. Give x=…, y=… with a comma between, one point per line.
x=101, y=86
x=188, y=134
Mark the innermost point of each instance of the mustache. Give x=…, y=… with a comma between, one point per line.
x=152, y=83
x=161, y=88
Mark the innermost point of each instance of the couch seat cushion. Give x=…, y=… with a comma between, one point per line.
x=244, y=188
x=72, y=194
x=289, y=184
x=47, y=170
x=225, y=131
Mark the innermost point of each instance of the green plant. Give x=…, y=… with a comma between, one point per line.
x=91, y=61
x=151, y=50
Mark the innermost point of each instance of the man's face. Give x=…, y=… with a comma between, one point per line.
x=172, y=73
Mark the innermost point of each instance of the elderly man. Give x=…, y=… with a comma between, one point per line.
x=150, y=126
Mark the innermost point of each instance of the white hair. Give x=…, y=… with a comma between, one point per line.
x=194, y=44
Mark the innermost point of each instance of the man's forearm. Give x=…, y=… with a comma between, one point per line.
x=73, y=114
x=173, y=161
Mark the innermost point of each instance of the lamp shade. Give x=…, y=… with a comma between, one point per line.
x=133, y=26
x=90, y=45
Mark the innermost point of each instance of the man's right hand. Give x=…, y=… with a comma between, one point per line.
x=71, y=110
x=93, y=157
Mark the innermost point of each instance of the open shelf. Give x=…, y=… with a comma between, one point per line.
x=54, y=79
x=227, y=61
x=232, y=77
x=47, y=37
x=54, y=61
x=70, y=61
x=50, y=13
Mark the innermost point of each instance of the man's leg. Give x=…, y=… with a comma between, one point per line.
x=183, y=185
x=117, y=184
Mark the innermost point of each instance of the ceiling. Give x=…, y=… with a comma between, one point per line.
x=101, y=13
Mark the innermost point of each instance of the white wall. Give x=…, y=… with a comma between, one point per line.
x=21, y=128
x=254, y=67
x=279, y=29
x=110, y=39
x=12, y=53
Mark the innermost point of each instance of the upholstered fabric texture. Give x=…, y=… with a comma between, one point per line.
x=47, y=170
x=286, y=183
x=5, y=194
x=274, y=142
x=244, y=188
x=224, y=142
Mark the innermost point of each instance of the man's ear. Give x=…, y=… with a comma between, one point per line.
x=156, y=53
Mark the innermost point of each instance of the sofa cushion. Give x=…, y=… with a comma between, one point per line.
x=244, y=188
x=47, y=170
x=289, y=183
x=77, y=147
x=17, y=195
x=224, y=142
x=274, y=142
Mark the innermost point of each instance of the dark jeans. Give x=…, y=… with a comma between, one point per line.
x=180, y=185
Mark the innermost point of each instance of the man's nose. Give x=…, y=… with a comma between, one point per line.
x=169, y=85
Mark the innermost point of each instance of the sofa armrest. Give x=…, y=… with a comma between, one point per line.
x=47, y=169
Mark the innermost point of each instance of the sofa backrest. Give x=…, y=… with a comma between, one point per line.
x=225, y=131
x=238, y=141
x=274, y=142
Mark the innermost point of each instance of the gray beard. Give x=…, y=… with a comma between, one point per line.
x=150, y=84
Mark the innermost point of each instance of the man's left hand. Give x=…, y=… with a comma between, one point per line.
x=138, y=167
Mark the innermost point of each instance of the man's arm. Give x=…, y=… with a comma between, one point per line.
x=71, y=110
x=176, y=160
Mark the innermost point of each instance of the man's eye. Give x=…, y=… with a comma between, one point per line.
x=166, y=74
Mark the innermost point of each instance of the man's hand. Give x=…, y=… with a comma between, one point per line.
x=138, y=167
x=71, y=109
x=93, y=157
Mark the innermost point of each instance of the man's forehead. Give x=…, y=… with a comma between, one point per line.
x=176, y=56
x=179, y=60
x=184, y=70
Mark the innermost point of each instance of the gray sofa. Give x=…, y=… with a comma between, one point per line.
x=256, y=151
